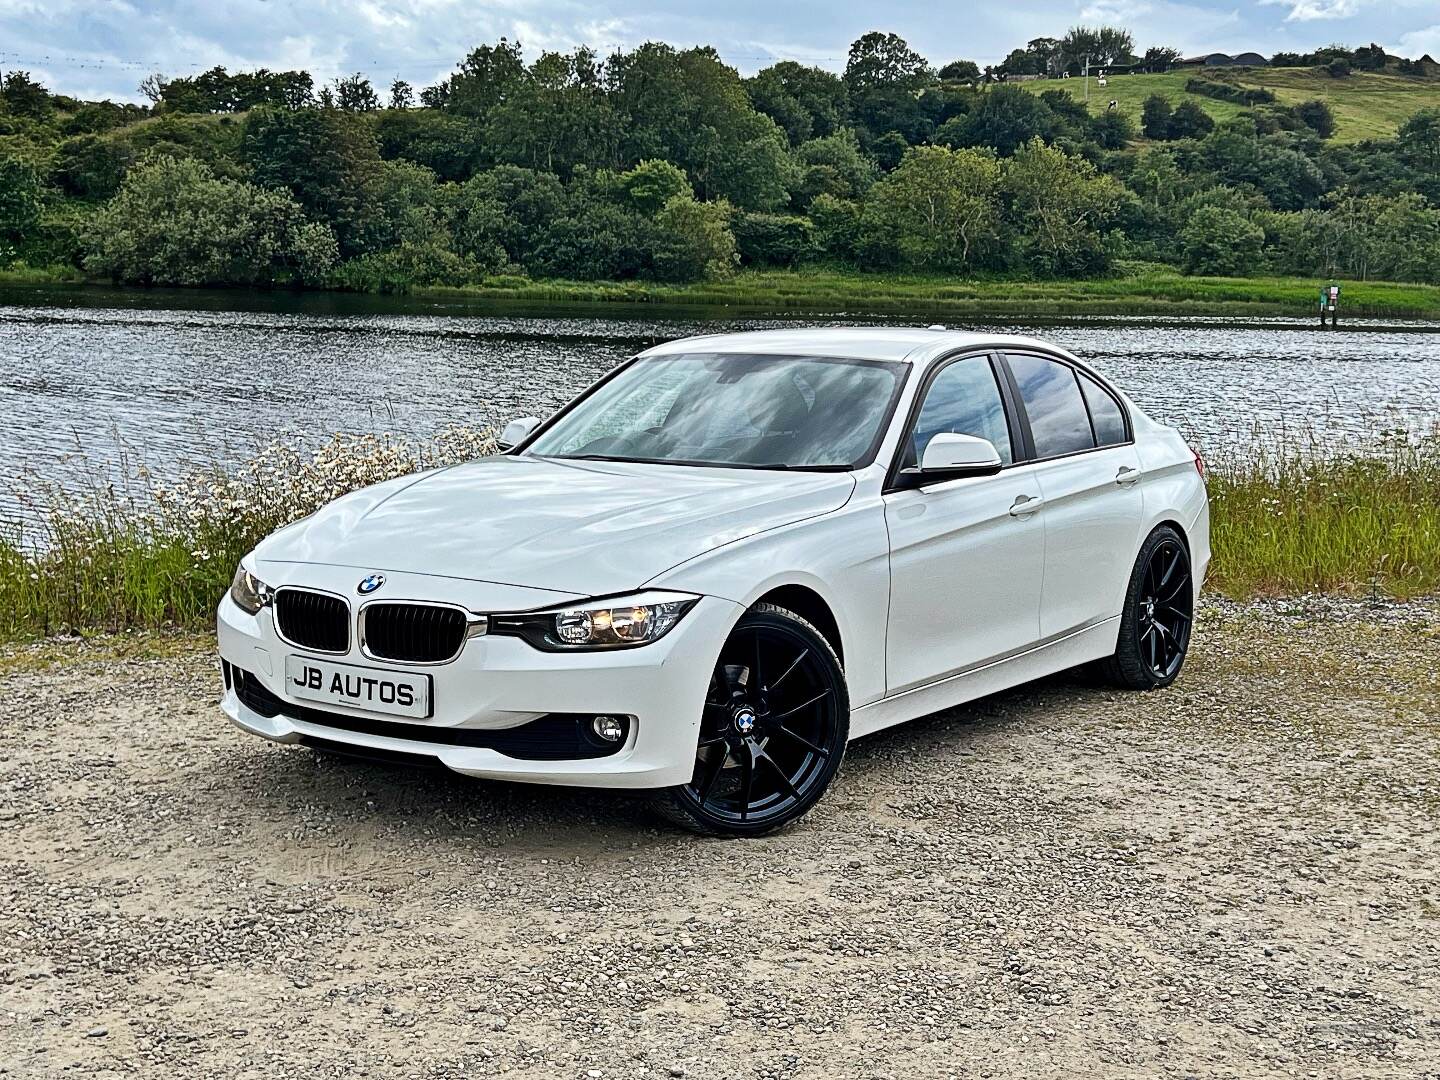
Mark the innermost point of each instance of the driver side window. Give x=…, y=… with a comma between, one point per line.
x=964, y=399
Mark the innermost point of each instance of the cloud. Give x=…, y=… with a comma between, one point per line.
x=1419, y=42
x=1311, y=10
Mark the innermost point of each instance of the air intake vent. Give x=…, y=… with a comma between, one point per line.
x=313, y=620
x=413, y=633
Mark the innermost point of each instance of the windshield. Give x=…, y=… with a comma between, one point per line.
x=732, y=409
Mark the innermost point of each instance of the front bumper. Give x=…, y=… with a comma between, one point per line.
x=500, y=682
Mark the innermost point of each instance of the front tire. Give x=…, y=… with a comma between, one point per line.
x=1158, y=614
x=773, y=732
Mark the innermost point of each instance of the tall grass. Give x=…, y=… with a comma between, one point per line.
x=1287, y=518
x=1284, y=519
x=117, y=556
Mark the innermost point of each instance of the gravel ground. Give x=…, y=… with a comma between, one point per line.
x=1234, y=877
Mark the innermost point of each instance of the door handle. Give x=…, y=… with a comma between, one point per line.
x=1127, y=476
x=1025, y=505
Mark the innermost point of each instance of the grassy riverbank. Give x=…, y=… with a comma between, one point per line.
x=1283, y=521
x=1153, y=292
x=1148, y=291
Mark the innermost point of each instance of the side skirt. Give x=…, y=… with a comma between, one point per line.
x=1092, y=643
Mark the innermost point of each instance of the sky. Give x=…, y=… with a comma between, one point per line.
x=103, y=48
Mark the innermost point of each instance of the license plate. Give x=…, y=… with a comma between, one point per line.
x=372, y=689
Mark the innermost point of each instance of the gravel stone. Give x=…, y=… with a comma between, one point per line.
x=1235, y=877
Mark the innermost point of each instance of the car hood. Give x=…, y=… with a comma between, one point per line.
x=583, y=527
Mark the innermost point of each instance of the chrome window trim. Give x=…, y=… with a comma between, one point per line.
x=476, y=625
x=349, y=614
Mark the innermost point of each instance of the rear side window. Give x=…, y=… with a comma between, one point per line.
x=1059, y=422
x=1105, y=413
x=964, y=399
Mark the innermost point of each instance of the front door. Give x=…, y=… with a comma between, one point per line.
x=966, y=555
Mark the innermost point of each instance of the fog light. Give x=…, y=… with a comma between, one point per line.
x=609, y=728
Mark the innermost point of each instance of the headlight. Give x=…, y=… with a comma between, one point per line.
x=599, y=624
x=248, y=591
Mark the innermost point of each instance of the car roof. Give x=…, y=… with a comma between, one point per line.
x=849, y=342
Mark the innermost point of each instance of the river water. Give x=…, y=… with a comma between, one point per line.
x=91, y=378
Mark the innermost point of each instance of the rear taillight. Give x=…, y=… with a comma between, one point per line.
x=1199, y=463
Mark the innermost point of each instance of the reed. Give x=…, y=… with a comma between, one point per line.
x=1286, y=518
x=127, y=553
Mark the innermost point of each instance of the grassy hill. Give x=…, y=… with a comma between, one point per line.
x=1366, y=105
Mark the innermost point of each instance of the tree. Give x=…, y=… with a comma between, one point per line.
x=1155, y=117
x=23, y=96
x=1041, y=56
x=693, y=241
x=217, y=90
x=1220, y=241
x=1160, y=57
x=153, y=87
x=1007, y=118
x=328, y=160
x=833, y=165
x=402, y=94
x=487, y=77
x=355, y=94
x=1190, y=121
x=451, y=145
x=960, y=71
x=652, y=184
x=20, y=202
x=1102, y=46
x=1419, y=139
x=771, y=239
x=836, y=224
x=807, y=102
x=1112, y=130
x=939, y=210
x=558, y=119
x=174, y=223
x=1059, y=205
x=883, y=62
x=882, y=77
x=91, y=166
x=504, y=215
x=690, y=109
x=1317, y=116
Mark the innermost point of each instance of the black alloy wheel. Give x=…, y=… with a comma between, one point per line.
x=1159, y=613
x=773, y=732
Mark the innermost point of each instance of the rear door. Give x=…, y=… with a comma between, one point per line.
x=1079, y=436
x=965, y=554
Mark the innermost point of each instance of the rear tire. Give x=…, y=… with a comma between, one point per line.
x=1156, y=620
x=773, y=732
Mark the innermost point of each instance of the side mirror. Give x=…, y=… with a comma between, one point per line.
x=516, y=432
x=949, y=455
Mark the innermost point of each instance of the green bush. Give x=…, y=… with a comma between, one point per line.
x=771, y=239
x=1221, y=242
x=173, y=223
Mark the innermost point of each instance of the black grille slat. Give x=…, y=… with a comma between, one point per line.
x=313, y=620
x=413, y=633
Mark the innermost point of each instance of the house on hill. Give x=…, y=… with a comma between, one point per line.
x=1219, y=59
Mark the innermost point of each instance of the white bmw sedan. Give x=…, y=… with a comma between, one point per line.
x=724, y=560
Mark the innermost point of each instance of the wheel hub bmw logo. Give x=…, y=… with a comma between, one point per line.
x=744, y=721
x=371, y=583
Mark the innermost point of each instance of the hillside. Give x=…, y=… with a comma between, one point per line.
x=1367, y=105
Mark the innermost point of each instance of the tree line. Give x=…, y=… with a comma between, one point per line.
x=666, y=164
